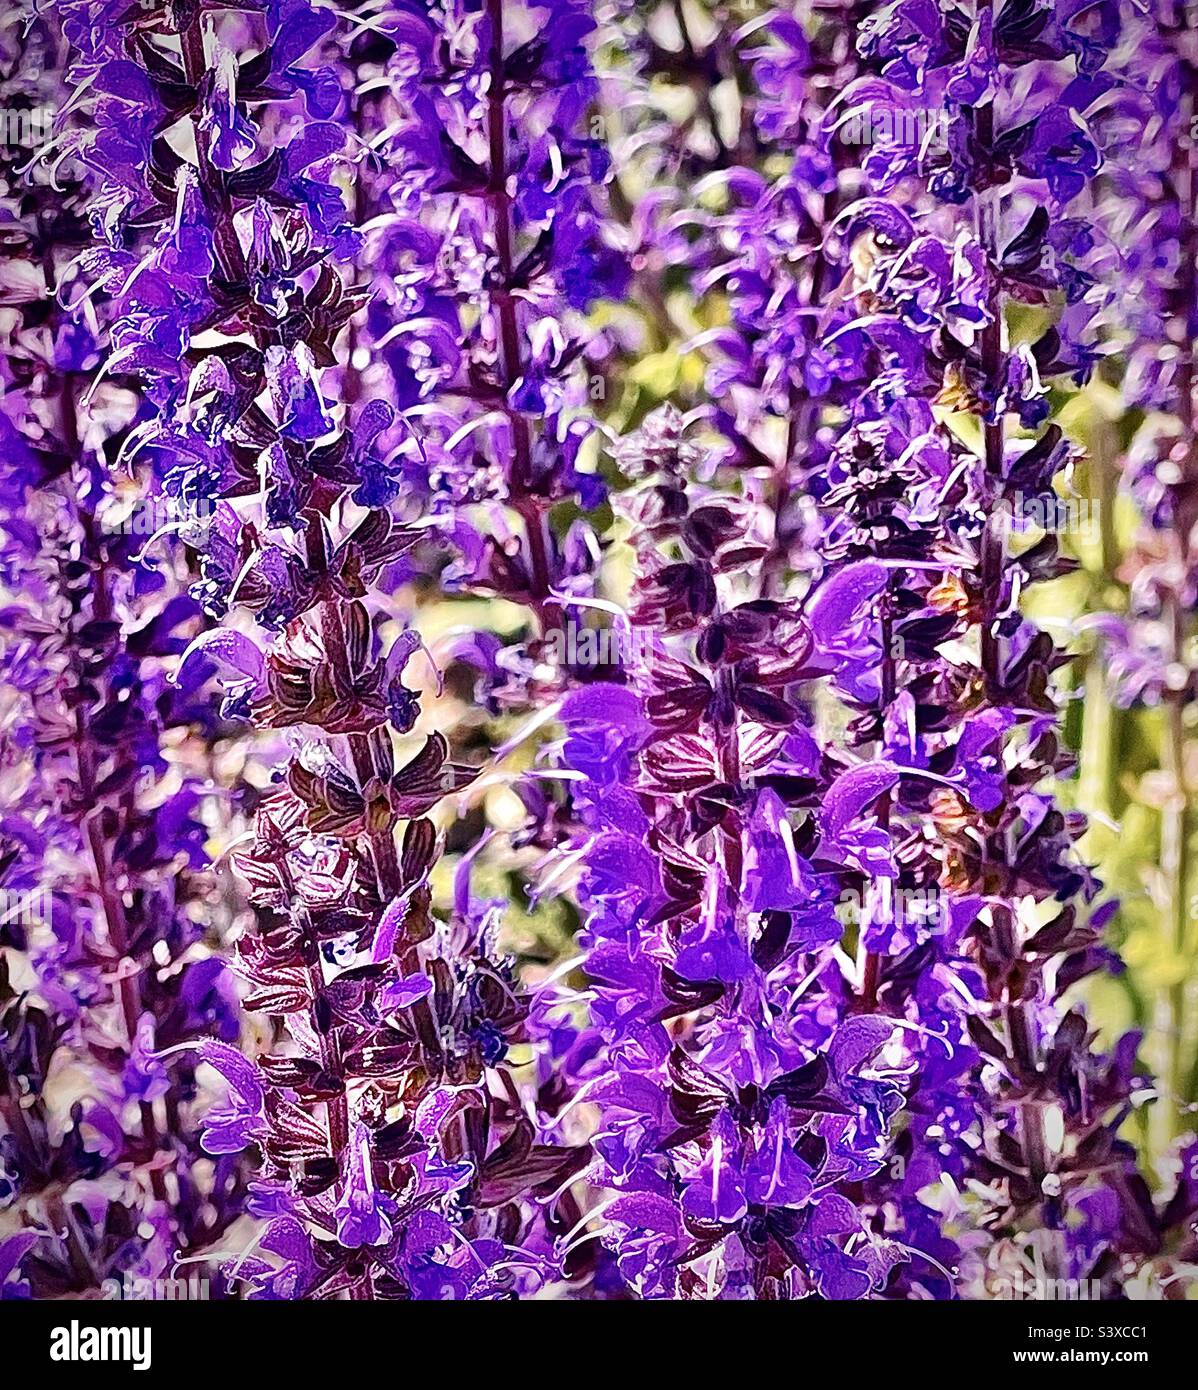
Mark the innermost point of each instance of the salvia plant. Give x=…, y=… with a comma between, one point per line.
x=105, y=882
x=551, y=743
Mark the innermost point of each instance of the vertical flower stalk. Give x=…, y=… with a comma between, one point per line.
x=1150, y=203
x=104, y=890
x=1179, y=597
x=492, y=203
x=1006, y=843
x=741, y=1105
x=397, y=1157
x=930, y=794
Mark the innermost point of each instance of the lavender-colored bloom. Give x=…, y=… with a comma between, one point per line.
x=101, y=831
x=370, y=314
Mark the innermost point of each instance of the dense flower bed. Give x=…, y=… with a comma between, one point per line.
x=543, y=654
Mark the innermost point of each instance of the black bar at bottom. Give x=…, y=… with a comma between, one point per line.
x=251, y=1341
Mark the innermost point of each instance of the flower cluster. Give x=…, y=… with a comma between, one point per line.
x=1148, y=644
x=741, y=1107
x=360, y=362
x=877, y=338
x=394, y=1163
x=103, y=879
